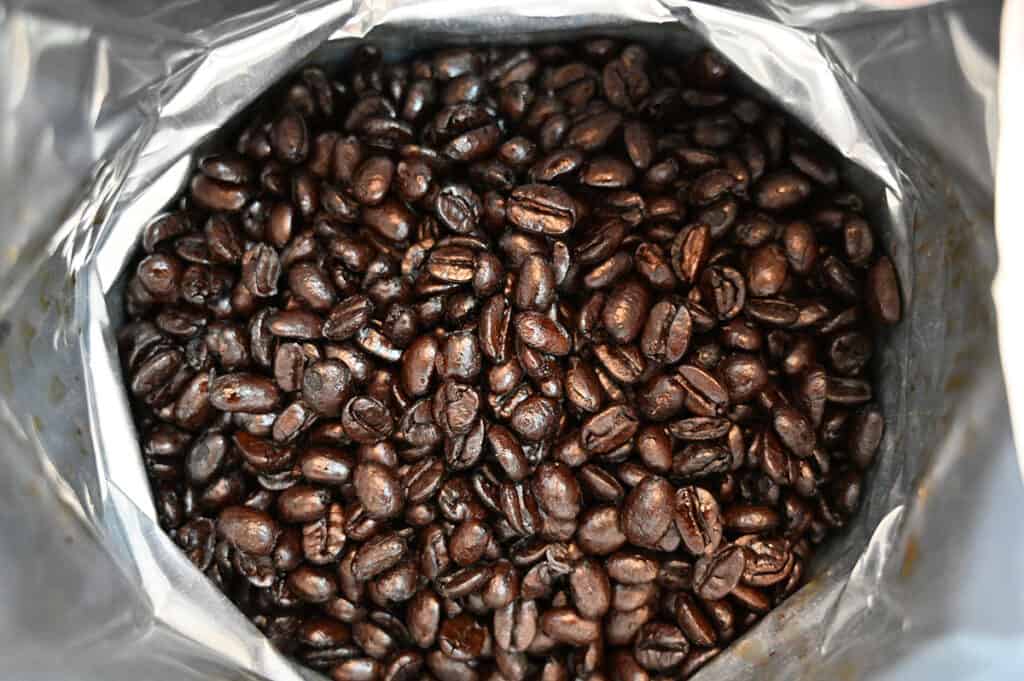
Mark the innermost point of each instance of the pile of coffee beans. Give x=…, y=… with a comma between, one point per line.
x=509, y=363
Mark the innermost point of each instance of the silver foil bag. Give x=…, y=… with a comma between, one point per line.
x=107, y=104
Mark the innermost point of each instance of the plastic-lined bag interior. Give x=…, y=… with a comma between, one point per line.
x=150, y=94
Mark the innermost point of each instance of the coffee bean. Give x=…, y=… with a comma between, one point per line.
x=298, y=324
x=866, y=432
x=251, y=531
x=303, y=503
x=693, y=622
x=705, y=394
x=311, y=584
x=326, y=385
x=591, y=589
x=750, y=519
x=423, y=617
x=660, y=646
x=647, y=511
x=631, y=568
x=378, y=489
x=698, y=520
x=661, y=398
x=535, y=285
x=347, y=317
x=378, y=555
x=556, y=490
x=716, y=575
x=464, y=582
x=242, y=392
x=609, y=429
x=516, y=625
x=261, y=455
x=667, y=332
x=565, y=625
x=883, y=292
x=625, y=311
x=542, y=333
x=503, y=433
x=536, y=418
x=326, y=465
x=801, y=246
x=600, y=532
x=543, y=209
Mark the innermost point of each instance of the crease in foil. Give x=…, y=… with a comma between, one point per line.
x=104, y=107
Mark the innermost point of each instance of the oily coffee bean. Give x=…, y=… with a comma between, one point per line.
x=543, y=209
x=378, y=489
x=249, y=530
x=242, y=392
x=698, y=520
x=660, y=646
x=647, y=511
x=509, y=363
x=716, y=575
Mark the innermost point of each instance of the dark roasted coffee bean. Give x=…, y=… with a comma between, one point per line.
x=647, y=511
x=698, y=520
x=883, y=292
x=694, y=623
x=535, y=418
x=463, y=638
x=261, y=268
x=565, y=625
x=378, y=489
x=582, y=387
x=599, y=531
x=556, y=490
x=535, y=285
x=782, y=190
x=795, y=430
x=866, y=433
x=326, y=465
x=746, y=519
x=660, y=646
x=459, y=357
x=667, y=332
x=378, y=555
x=503, y=433
x=542, y=333
x=303, y=503
x=463, y=582
x=326, y=385
x=543, y=209
x=716, y=575
x=366, y=420
x=423, y=616
x=625, y=311
x=640, y=143
x=858, y=241
x=800, y=245
x=247, y=529
x=298, y=324
x=357, y=669
x=515, y=625
x=218, y=196
x=311, y=584
x=699, y=459
x=600, y=484
x=661, y=397
x=609, y=429
x=623, y=363
x=241, y=392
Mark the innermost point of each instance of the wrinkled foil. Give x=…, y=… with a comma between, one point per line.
x=104, y=106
